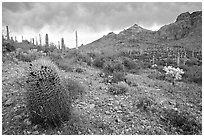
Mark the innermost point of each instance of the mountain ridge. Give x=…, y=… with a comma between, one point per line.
x=186, y=31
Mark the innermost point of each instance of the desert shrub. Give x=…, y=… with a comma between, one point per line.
x=184, y=122
x=146, y=104
x=170, y=62
x=84, y=58
x=160, y=63
x=64, y=65
x=191, y=62
x=48, y=98
x=119, y=88
x=193, y=74
x=115, y=77
x=134, y=71
x=7, y=47
x=99, y=62
x=75, y=89
x=118, y=76
x=157, y=75
x=113, y=66
x=146, y=65
x=131, y=66
x=173, y=74
x=28, y=56
x=55, y=57
x=79, y=70
x=129, y=63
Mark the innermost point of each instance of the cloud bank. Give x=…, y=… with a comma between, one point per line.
x=89, y=18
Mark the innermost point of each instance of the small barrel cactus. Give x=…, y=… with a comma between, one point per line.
x=48, y=100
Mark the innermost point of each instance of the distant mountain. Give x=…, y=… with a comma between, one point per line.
x=186, y=31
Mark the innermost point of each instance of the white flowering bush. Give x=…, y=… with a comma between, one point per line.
x=173, y=73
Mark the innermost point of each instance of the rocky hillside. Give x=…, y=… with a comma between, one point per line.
x=186, y=31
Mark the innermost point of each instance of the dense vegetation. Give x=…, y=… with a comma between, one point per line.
x=134, y=85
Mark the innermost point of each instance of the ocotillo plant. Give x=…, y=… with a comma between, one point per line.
x=46, y=40
x=7, y=33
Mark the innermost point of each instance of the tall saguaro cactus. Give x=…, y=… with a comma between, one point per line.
x=46, y=40
x=7, y=33
x=33, y=41
x=40, y=40
x=22, y=38
x=36, y=40
x=178, y=59
x=62, y=44
x=76, y=40
x=59, y=44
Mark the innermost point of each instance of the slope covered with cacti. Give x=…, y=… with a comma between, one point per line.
x=107, y=95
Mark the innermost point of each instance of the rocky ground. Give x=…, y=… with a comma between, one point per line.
x=143, y=109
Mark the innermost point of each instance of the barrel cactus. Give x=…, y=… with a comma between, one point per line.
x=48, y=99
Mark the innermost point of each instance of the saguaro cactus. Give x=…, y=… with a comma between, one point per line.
x=22, y=38
x=36, y=41
x=59, y=44
x=33, y=41
x=76, y=40
x=7, y=33
x=62, y=44
x=15, y=39
x=40, y=40
x=46, y=40
x=178, y=59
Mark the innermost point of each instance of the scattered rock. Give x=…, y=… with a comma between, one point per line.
x=91, y=106
x=35, y=132
x=107, y=112
x=9, y=102
x=27, y=121
x=17, y=117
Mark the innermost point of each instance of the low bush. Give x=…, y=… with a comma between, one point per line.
x=146, y=104
x=119, y=88
x=7, y=47
x=113, y=66
x=84, y=58
x=75, y=89
x=64, y=64
x=28, y=56
x=184, y=123
x=157, y=75
x=193, y=74
x=99, y=62
x=191, y=62
x=130, y=64
x=79, y=70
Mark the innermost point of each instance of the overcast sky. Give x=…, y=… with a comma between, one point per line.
x=91, y=20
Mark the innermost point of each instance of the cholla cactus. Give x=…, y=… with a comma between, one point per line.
x=48, y=99
x=173, y=73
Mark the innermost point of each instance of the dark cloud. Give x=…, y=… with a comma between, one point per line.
x=61, y=17
x=95, y=16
